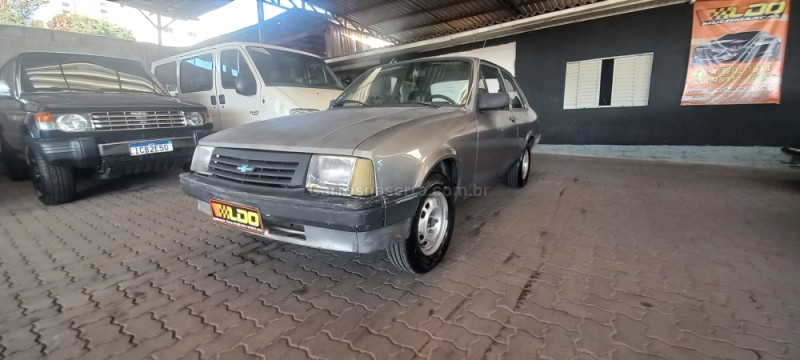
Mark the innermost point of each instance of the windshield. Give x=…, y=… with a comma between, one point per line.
x=285, y=68
x=431, y=82
x=51, y=72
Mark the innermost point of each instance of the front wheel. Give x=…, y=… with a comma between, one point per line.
x=431, y=229
x=517, y=175
x=54, y=184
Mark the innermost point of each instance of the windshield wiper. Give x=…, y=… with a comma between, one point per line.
x=348, y=101
x=427, y=104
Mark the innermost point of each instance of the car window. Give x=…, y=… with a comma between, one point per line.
x=286, y=68
x=490, y=80
x=197, y=73
x=167, y=73
x=513, y=92
x=232, y=65
x=443, y=82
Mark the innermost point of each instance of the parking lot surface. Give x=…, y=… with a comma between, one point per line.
x=595, y=259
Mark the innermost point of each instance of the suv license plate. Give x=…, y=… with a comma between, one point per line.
x=152, y=147
x=238, y=216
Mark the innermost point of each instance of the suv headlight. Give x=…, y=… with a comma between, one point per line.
x=301, y=111
x=195, y=118
x=341, y=175
x=63, y=122
x=201, y=159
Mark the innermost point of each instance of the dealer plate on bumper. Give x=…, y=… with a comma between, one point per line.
x=238, y=216
x=150, y=147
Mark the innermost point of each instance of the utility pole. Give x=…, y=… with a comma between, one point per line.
x=260, y=20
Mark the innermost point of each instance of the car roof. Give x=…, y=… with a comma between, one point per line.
x=467, y=58
x=29, y=53
x=233, y=43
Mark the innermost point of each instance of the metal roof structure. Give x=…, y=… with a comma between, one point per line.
x=176, y=9
x=407, y=21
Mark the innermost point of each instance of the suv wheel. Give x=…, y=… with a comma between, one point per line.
x=431, y=229
x=517, y=175
x=16, y=168
x=54, y=184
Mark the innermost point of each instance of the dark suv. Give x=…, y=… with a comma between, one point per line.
x=64, y=116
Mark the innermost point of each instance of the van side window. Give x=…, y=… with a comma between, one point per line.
x=197, y=73
x=513, y=92
x=233, y=65
x=167, y=73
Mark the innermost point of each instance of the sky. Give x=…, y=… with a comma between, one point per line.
x=234, y=16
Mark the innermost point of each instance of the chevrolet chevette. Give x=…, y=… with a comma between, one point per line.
x=381, y=169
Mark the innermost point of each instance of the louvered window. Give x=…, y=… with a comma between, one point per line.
x=622, y=81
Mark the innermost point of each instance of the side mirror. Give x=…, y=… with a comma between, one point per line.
x=5, y=90
x=346, y=80
x=494, y=101
x=246, y=84
x=172, y=90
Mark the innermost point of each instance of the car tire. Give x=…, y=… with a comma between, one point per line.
x=54, y=184
x=517, y=176
x=16, y=168
x=431, y=229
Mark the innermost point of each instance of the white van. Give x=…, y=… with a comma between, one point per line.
x=245, y=82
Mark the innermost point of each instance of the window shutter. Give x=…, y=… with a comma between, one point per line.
x=571, y=86
x=631, y=84
x=589, y=83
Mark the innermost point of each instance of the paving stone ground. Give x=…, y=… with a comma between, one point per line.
x=595, y=259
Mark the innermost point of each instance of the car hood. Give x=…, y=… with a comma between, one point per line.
x=337, y=131
x=310, y=98
x=87, y=102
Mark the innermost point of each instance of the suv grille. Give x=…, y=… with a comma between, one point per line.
x=257, y=167
x=136, y=120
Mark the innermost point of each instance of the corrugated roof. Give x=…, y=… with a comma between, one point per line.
x=412, y=20
x=178, y=9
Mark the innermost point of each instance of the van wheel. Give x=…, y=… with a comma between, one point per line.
x=54, y=184
x=16, y=168
x=517, y=175
x=431, y=229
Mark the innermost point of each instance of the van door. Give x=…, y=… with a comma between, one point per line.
x=238, y=92
x=196, y=83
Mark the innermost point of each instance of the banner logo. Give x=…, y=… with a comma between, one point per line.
x=752, y=12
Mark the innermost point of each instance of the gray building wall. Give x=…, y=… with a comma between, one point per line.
x=17, y=39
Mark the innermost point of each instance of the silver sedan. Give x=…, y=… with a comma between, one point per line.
x=381, y=169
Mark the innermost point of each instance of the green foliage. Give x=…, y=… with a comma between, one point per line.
x=19, y=12
x=87, y=25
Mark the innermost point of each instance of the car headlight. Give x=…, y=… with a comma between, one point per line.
x=301, y=111
x=201, y=159
x=63, y=122
x=341, y=175
x=196, y=118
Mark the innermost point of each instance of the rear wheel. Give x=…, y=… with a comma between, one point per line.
x=17, y=168
x=54, y=184
x=431, y=229
x=517, y=175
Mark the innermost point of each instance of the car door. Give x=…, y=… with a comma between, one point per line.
x=12, y=111
x=197, y=83
x=497, y=132
x=521, y=116
x=242, y=105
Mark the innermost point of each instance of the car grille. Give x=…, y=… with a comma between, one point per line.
x=137, y=120
x=256, y=167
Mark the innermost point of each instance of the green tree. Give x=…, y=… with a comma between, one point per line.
x=86, y=25
x=19, y=12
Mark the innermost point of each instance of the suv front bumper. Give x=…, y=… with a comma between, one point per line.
x=110, y=153
x=339, y=223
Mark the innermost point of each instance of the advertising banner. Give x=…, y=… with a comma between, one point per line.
x=737, y=52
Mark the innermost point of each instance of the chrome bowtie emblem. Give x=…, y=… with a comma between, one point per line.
x=244, y=168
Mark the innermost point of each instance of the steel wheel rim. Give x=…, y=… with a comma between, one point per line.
x=526, y=163
x=432, y=223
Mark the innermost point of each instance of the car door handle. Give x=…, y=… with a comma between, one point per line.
x=512, y=118
x=222, y=99
x=213, y=100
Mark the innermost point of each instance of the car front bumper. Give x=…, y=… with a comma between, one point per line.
x=110, y=152
x=339, y=223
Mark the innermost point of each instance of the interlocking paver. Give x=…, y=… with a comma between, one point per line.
x=595, y=259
